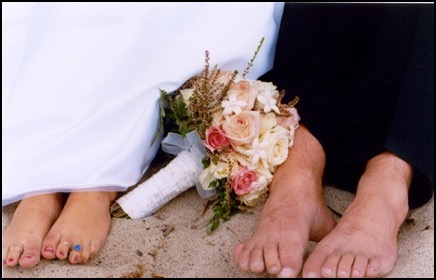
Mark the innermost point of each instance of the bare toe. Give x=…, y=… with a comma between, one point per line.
x=13, y=255
x=313, y=265
x=272, y=260
x=75, y=256
x=50, y=245
x=242, y=257
x=22, y=239
x=81, y=229
x=329, y=269
x=64, y=247
x=31, y=254
x=359, y=266
x=281, y=238
x=344, y=266
x=364, y=241
x=379, y=266
x=291, y=257
x=256, y=260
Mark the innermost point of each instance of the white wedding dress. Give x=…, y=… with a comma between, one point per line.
x=80, y=83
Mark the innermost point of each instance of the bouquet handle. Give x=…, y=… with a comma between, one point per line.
x=178, y=176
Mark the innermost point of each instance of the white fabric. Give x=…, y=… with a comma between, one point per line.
x=80, y=83
x=157, y=191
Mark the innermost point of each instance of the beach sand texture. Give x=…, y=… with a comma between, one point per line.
x=173, y=243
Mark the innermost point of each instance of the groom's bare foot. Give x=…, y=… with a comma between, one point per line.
x=81, y=229
x=364, y=241
x=294, y=213
x=22, y=239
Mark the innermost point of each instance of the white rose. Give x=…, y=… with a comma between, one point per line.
x=265, y=172
x=262, y=87
x=224, y=169
x=267, y=122
x=206, y=177
x=278, y=145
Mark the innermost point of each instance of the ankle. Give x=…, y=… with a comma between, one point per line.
x=50, y=204
x=385, y=185
x=92, y=197
x=390, y=164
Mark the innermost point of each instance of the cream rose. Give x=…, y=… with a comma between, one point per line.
x=207, y=177
x=243, y=128
x=220, y=170
x=267, y=122
x=225, y=169
x=277, y=147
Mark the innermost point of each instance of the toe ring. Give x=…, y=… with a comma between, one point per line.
x=15, y=248
x=77, y=247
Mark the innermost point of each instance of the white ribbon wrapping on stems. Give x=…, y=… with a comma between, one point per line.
x=178, y=176
x=175, y=143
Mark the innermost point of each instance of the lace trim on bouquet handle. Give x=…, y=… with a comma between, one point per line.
x=178, y=176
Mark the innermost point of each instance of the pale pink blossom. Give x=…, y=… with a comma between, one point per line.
x=243, y=128
x=244, y=92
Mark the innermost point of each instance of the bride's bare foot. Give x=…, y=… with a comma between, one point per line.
x=364, y=243
x=294, y=213
x=81, y=229
x=22, y=239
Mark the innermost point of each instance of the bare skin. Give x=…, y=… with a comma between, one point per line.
x=85, y=220
x=23, y=237
x=294, y=213
x=362, y=244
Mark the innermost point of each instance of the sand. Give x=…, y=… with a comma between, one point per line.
x=173, y=243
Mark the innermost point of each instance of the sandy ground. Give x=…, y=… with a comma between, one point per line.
x=173, y=243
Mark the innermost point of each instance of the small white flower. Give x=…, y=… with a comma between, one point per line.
x=233, y=105
x=268, y=100
x=258, y=151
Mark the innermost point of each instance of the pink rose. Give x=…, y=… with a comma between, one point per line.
x=244, y=92
x=242, y=181
x=243, y=128
x=292, y=120
x=215, y=139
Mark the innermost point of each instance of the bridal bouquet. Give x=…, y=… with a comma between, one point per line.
x=229, y=133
